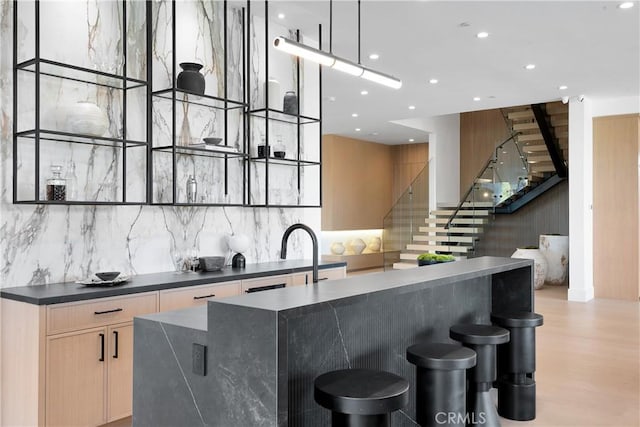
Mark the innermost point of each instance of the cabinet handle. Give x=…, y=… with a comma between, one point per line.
x=265, y=288
x=205, y=296
x=115, y=351
x=323, y=278
x=115, y=310
x=101, y=348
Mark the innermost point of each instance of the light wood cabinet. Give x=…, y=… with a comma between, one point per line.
x=89, y=370
x=76, y=378
x=119, y=371
x=192, y=296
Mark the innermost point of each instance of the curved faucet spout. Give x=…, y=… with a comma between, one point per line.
x=314, y=240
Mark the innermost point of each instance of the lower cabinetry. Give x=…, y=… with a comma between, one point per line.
x=192, y=296
x=89, y=369
x=71, y=364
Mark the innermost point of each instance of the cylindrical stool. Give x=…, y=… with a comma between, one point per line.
x=361, y=397
x=483, y=340
x=517, y=364
x=441, y=382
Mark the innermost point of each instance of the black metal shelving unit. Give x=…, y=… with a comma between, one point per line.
x=270, y=116
x=179, y=98
x=36, y=135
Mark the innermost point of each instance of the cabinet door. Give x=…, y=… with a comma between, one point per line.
x=120, y=371
x=76, y=378
x=192, y=296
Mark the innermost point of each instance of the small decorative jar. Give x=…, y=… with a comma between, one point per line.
x=290, y=103
x=357, y=246
x=337, y=248
x=56, y=185
x=190, y=78
x=375, y=244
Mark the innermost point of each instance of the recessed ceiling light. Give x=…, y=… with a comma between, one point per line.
x=411, y=139
x=354, y=115
x=374, y=56
x=412, y=107
x=357, y=129
x=530, y=66
x=476, y=98
x=281, y=15
x=364, y=92
x=563, y=87
x=433, y=81
x=626, y=5
x=482, y=35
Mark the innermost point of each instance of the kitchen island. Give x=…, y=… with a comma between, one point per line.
x=264, y=350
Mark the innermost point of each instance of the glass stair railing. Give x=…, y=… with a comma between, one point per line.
x=405, y=217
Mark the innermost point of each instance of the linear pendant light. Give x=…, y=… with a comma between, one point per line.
x=329, y=60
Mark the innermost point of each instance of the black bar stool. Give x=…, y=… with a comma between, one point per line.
x=361, y=397
x=517, y=365
x=483, y=339
x=441, y=382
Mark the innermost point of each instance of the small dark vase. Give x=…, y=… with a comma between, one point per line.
x=290, y=103
x=190, y=79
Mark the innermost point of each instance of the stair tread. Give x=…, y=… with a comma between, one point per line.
x=462, y=212
x=455, y=221
x=466, y=205
x=531, y=137
x=525, y=126
x=459, y=230
x=404, y=265
x=436, y=238
x=518, y=115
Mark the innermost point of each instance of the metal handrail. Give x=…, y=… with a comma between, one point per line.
x=489, y=162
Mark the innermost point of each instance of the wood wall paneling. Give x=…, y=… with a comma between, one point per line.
x=356, y=183
x=480, y=133
x=408, y=162
x=616, y=207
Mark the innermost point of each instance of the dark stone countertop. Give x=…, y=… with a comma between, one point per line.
x=282, y=300
x=56, y=293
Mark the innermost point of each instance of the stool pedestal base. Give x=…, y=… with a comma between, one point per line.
x=354, y=420
x=517, y=401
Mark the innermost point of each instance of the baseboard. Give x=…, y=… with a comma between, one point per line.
x=580, y=294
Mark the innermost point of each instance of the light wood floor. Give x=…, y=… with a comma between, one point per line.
x=588, y=362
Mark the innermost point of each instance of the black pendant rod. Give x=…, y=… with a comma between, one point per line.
x=359, y=32
x=330, y=26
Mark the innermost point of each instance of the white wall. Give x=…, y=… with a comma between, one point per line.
x=581, y=116
x=444, y=156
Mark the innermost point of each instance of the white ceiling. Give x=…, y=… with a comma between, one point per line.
x=593, y=47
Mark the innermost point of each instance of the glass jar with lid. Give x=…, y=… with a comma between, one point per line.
x=56, y=185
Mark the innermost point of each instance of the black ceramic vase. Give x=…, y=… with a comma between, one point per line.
x=290, y=103
x=190, y=78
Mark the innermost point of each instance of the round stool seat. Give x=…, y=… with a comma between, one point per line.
x=479, y=334
x=361, y=391
x=441, y=356
x=522, y=319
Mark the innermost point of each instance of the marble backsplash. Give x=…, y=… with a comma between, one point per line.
x=51, y=243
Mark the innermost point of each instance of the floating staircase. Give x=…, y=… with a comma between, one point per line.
x=456, y=229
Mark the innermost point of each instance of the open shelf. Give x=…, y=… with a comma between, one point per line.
x=76, y=202
x=201, y=151
x=79, y=74
x=279, y=116
x=189, y=97
x=285, y=162
x=59, y=136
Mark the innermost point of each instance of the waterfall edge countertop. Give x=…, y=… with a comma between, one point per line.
x=56, y=293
